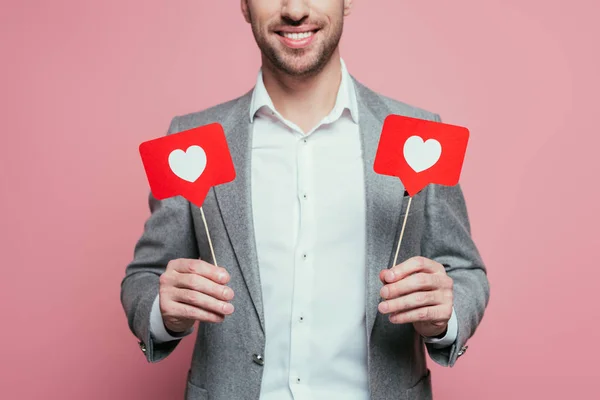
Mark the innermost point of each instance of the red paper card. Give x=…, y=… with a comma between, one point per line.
x=421, y=152
x=188, y=163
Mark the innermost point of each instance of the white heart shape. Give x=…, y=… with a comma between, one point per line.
x=421, y=155
x=188, y=165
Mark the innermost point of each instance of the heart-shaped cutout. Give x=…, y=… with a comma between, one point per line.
x=420, y=155
x=188, y=165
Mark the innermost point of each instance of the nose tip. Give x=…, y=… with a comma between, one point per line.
x=295, y=10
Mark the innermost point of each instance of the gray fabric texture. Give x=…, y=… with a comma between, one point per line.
x=222, y=364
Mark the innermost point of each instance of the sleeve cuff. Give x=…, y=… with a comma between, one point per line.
x=450, y=336
x=157, y=327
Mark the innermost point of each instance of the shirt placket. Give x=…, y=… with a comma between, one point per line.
x=303, y=276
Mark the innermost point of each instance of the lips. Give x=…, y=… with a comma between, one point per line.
x=296, y=38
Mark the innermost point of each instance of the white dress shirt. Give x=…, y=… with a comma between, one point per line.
x=308, y=204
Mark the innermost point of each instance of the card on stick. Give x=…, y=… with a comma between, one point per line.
x=188, y=164
x=420, y=152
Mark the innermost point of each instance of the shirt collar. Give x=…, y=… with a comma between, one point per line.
x=346, y=97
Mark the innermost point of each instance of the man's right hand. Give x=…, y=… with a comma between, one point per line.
x=193, y=290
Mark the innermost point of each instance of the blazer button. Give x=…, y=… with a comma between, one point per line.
x=143, y=347
x=462, y=350
x=257, y=358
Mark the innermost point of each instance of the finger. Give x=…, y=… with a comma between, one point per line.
x=182, y=310
x=382, y=276
x=409, y=267
x=202, y=301
x=434, y=314
x=183, y=265
x=387, y=276
x=410, y=302
x=212, y=272
x=202, y=268
x=418, y=282
x=204, y=285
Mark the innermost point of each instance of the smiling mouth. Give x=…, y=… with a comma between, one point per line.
x=297, y=35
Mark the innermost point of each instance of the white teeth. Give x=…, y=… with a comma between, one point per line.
x=297, y=36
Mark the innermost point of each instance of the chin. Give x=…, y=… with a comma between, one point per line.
x=307, y=64
x=299, y=69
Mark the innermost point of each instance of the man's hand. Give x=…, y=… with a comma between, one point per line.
x=418, y=291
x=193, y=290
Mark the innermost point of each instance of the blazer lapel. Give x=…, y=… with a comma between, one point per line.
x=384, y=196
x=234, y=200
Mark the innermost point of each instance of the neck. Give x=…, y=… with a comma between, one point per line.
x=305, y=101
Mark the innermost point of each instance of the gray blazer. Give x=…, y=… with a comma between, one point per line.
x=228, y=358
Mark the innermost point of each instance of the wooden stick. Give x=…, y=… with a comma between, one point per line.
x=208, y=235
x=402, y=231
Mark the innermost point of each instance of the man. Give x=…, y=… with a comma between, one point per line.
x=302, y=304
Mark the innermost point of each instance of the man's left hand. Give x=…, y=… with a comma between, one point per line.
x=418, y=291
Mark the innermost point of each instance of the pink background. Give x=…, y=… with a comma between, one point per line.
x=83, y=83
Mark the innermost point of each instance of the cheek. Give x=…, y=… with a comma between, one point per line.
x=262, y=18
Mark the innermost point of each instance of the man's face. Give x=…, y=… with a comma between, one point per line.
x=298, y=37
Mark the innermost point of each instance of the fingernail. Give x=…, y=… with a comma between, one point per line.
x=390, y=276
x=221, y=277
x=228, y=308
x=385, y=292
x=383, y=307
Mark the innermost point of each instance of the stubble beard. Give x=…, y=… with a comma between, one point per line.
x=287, y=60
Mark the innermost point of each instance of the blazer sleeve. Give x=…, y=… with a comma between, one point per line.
x=447, y=240
x=168, y=234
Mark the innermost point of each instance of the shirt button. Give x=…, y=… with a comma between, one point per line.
x=297, y=380
x=304, y=256
x=305, y=140
x=301, y=319
x=305, y=196
x=258, y=359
